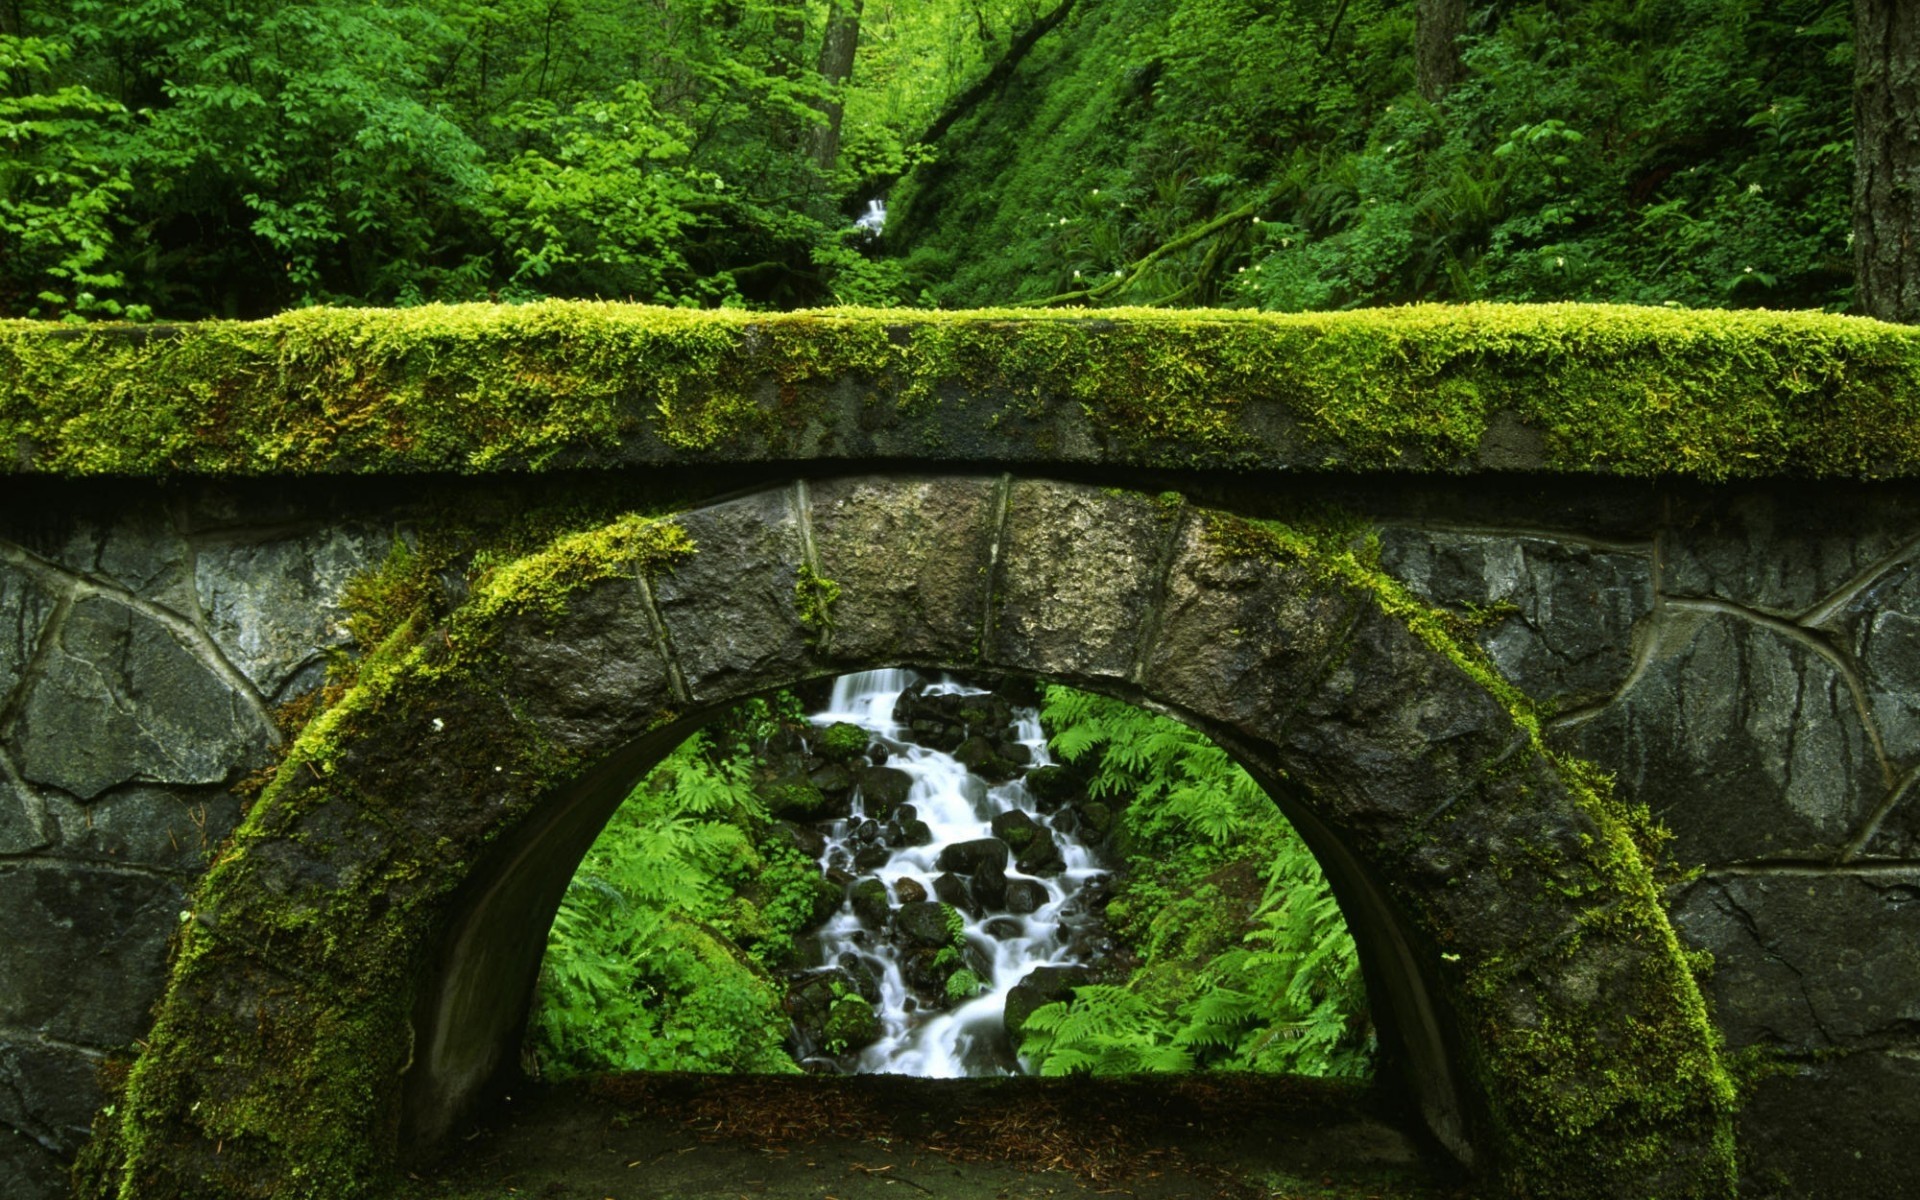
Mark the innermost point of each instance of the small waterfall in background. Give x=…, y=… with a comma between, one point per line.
x=941, y=821
x=872, y=222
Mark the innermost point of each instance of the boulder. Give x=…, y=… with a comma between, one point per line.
x=1040, y=987
x=870, y=901
x=851, y=1024
x=978, y=755
x=871, y=858
x=1054, y=785
x=884, y=789
x=1041, y=855
x=951, y=889
x=909, y=891
x=793, y=798
x=1015, y=828
x=833, y=778
x=988, y=887
x=966, y=858
x=841, y=742
x=1006, y=927
x=927, y=923
x=1025, y=896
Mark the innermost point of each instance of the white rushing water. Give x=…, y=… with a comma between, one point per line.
x=957, y=806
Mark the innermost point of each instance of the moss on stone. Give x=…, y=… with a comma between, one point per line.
x=1542, y=1064
x=480, y=388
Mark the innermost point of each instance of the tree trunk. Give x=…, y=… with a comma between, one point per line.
x=1886, y=158
x=836, y=67
x=1436, y=46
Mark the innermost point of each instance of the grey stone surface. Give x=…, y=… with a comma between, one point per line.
x=134, y=547
x=1076, y=579
x=25, y=607
x=1240, y=637
x=731, y=611
x=23, y=825
x=1777, y=554
x=85, y=951
x=1809, y=962
x=1880, y=625
x=122, y=699
x=1742, y=738
x=30, y=1171
x=1560, y=614
x=48, y=1092
x=1897, y=836
x=594, y=673
x=1846, y=1128
x=162, y=828
x=910, y=557
x=273, y=605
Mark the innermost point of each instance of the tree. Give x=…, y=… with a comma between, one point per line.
x=1886, y=158
x=837, y=49
x=1436, y=46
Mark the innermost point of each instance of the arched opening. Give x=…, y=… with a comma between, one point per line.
x=358, y=968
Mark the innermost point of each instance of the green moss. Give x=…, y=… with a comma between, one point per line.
x=842, y=741
x=479, y=388
x=1543, y=1064
x=813, y=597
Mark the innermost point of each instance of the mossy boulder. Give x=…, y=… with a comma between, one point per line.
x=795, y=800
x=841, y=742
x=851, y=1023
x=1054, y=785
x=884, y=789
x=1015, y=828
x=870, y=901
x=929, y=923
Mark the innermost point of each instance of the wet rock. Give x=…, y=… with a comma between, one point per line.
x=878, y=754
x=839, y=877
x=1096, y=816
x=871, y=858
x=1042, y=854
x=978, y=755
x=1040, y=987
x=1025, y=896
x=928, y=923
x=951, y=889
x=807, y=841
x=914, y=832
x=794, y=799
x=884, y=789
x=870, y=901
x=1015, y=828
x=867, y=831
x=865, y=973
x=832, y=779
x=1018, y=753
x=988, y=887
x=909, y=891
x=826, y=1007
x=840, y=742
x=966, y=858
x=1006, y=927
x=1054, y=785
x=851, y=1024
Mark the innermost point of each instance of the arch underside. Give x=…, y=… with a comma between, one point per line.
x=357, y=967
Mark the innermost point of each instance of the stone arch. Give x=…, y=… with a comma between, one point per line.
x=355, y=969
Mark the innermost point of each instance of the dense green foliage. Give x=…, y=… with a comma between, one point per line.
x=658, y=957
x=1690, y=152
x=188, y=158
x=1243, y=961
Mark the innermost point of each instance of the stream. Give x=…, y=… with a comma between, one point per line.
x=1028, y=890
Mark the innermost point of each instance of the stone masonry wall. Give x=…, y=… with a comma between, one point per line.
x=1746, y=661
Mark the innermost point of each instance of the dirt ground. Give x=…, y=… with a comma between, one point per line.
x=899, y=1138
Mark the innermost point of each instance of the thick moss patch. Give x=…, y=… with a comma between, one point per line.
x=478, y=388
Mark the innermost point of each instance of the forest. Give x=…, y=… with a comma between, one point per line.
x=180, y=159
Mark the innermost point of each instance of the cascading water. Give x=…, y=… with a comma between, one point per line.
x=1021, y=907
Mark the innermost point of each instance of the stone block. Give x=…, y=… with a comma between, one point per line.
x=273, y=605
x=30, y=1171
x=160, y=828
x=134, y=547
x=25, y=606
x=1809, y=962
x=1776, y=553
x=911, y=559
x=1842, y=1129
x=1742, y=738
x=121, y=699
x=85, y=952
x=1880, y=624
x=23, y=826
x=594, y=677
x=1078, y=572
x=1560, y=613
x=48, y=1092
x=730, y=608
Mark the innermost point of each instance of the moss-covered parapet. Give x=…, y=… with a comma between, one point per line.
x=1629, y=391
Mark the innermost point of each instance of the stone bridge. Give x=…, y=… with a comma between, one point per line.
x=1583, y=645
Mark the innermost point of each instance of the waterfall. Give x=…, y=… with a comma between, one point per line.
x=967, y=1037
